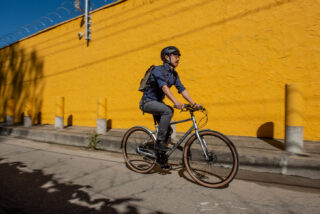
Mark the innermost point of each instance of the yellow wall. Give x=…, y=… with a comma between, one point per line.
x=237, y=57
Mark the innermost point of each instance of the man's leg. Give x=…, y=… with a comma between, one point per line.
x=165, y=112
x=169, y=131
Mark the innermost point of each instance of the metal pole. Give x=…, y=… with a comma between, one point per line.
x=59, y=114
x=294, y=119
x=28, y=113
x=101, y=115
x=86, y=20
x=10, y=112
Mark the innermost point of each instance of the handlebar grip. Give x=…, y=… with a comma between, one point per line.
x=185, y=106
x=191, y=107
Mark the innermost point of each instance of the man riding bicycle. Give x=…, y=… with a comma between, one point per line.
x=161, y=79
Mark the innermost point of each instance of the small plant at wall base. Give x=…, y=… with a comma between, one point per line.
x=94, y=141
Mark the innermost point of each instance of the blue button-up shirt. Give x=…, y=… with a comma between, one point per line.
x=158, y=79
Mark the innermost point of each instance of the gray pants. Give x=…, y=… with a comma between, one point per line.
x=162, y=114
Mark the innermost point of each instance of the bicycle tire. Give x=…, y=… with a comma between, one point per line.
x=223, y=165
x=134, y=138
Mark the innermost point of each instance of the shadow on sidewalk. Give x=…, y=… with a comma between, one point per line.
x=275, y=143
x=23, y=191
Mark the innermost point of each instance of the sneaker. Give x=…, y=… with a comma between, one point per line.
x=166, y=166
x=162, y=160
x=160, y=145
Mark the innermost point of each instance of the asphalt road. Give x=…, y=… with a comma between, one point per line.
x=37, y=177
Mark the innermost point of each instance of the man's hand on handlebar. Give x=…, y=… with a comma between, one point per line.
x=179, y=106
x=182, y=106
x=197, y=106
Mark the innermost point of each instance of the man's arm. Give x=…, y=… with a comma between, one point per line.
x=186, y=96
x=182, y=90
x=169, y=94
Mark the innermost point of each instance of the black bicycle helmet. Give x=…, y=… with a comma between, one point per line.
x=168, y=51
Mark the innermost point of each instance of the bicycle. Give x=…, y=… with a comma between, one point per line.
x=210, y=158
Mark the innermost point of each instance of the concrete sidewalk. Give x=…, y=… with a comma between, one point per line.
x=265, y=155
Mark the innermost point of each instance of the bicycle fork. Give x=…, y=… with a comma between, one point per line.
x=203, y=143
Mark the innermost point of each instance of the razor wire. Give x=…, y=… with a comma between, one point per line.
x=67, y=10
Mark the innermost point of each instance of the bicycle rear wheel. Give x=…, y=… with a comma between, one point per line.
x=137, y=149
x=223, y=163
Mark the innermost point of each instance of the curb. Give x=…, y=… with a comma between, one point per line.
x=260, y=161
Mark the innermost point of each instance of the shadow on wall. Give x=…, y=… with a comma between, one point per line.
x=70, y=120
x=47, y=195
x=109, y=124
x=21, y=79
x=266, y=133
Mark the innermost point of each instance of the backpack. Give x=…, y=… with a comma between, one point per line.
x=143, y=83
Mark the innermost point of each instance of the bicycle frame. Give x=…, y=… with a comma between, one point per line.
x=193, y=127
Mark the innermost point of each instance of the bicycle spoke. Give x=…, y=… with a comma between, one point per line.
x=137, y=143
x=221, y=166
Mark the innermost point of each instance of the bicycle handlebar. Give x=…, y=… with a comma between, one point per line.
x=188, y=107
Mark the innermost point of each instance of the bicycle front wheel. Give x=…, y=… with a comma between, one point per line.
x=138, y=150
x=221, y=164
